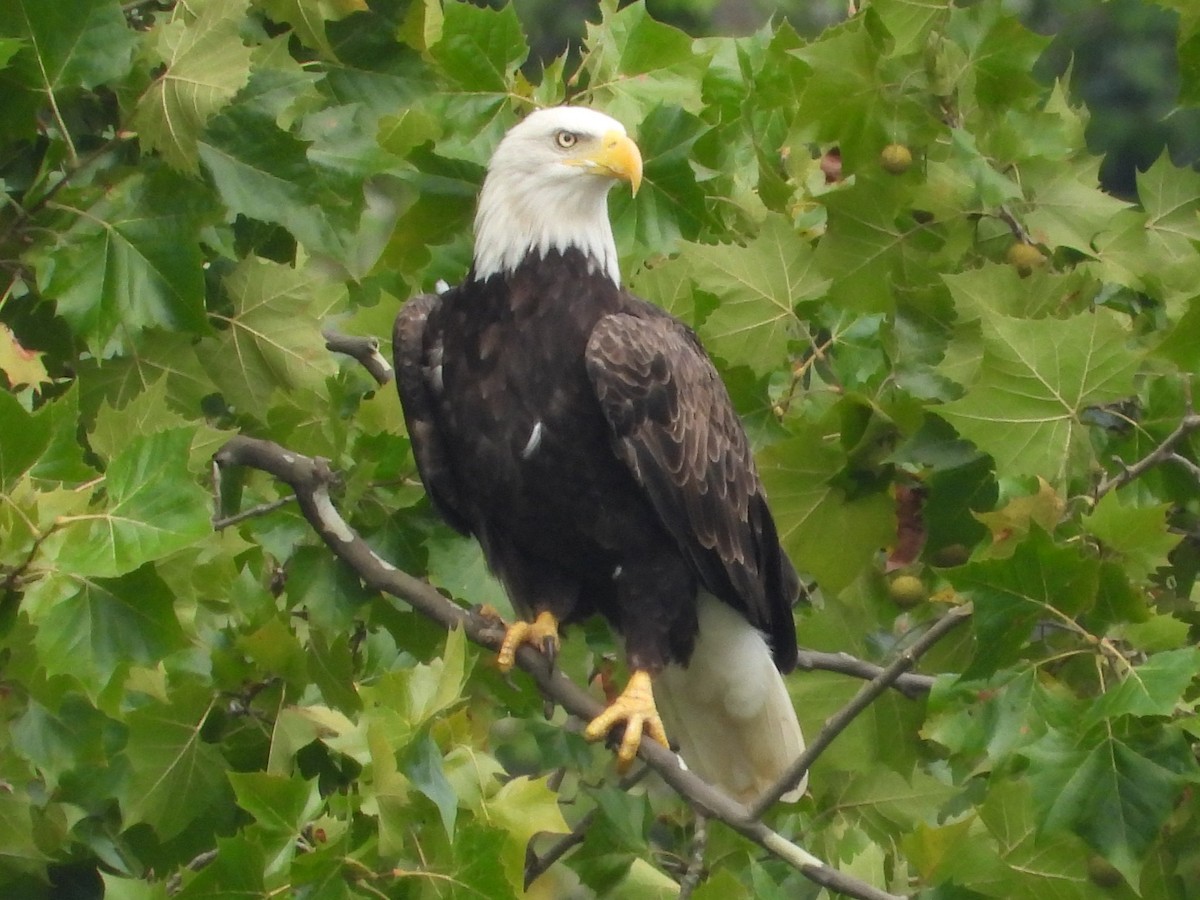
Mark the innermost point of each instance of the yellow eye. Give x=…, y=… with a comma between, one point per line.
x=566, y=139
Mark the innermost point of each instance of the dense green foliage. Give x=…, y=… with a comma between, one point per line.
x=195, y=190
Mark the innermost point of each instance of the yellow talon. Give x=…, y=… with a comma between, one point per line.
x=542, y=633
x=635, y=707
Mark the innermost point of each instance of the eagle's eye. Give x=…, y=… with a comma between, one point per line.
x=566, y=139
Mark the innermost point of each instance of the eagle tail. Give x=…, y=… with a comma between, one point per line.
x=729, y=710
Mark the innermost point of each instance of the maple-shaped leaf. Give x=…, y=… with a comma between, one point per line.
x=272, y=338
x=825, y=533
x=206, y=63
x=63, y=47
x=758, y=286
x=1067, y=208
x=90, y=627
x=635, y=64
x=1012, y=595
x=1108, y=792
x=152, y=507
x=1137, y=534
x=176, y=775
x=308, y=18
x=1035, y=380
x=20, y=365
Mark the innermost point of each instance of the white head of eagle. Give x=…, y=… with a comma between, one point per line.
x=547, y=187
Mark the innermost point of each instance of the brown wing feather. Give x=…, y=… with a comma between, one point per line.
x=413, y=373
x=675, y=427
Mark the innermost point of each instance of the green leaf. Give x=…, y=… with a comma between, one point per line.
x=131, y=260
x=272, y=339
x=308, y=18
x=1154, y=688
x=636, y=64
x=1111, y=795
x=26, y=437
x=67, y=46
x=480, y=47
x=206, y=65
x=153, y=508
x=1036, y=379
x=524, y=807
x=758, y=287
x=824, y=532
x=1067, y=207
x=424, y=768
x=91, y=628
x=1138, y=535
x=263, y=172
x=18, y=849
x=279, y=804
x=1011, y=595
x=176, y=776
x=457, y=566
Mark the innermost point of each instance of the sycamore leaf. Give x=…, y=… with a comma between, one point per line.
x=758, y=287
x=1036, y=379
x=1138, y=534
x=272, y=339
x=524, y=807
x=90, y=628
x=21, y=366
x=206, y=65
x=175, y=775
x=131, y=260
x=18, y=848
x=457, y=566
x=1154, y=688
x=480, y=47
x=25, y=438
x=636, y=64
x=824, y=532
x=308, y=18
x=64, y=47
x=1107, y=792
x=153, y=507
x=1067, y=208
x=279, y=804
x=1012, y=595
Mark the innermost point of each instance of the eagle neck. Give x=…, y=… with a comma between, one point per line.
x=514, y=226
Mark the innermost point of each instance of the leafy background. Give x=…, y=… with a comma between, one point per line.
x=195, y=190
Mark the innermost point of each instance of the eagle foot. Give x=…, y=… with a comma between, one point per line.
x=542, y=633
x=635, y=707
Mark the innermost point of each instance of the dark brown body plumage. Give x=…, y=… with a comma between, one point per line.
x=585, y=439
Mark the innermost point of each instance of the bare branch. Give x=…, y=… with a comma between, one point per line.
x=364, y=349
x=310, y=478
x=907, y=683
x=695, y=867
x=865, y=696
x=1164, y=452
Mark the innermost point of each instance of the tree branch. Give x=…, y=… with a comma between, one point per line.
x=1164, y=452
x=864, y=698
x=310, y=478
x=907, y=683
x=364, y=349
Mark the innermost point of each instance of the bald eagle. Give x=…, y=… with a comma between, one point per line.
x=584, y=438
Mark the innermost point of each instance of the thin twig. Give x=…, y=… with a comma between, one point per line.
x=865, y=696
x=310, y=478
x=694, y=873
x=261, y=510
x=364, y=349
x=1164, y=452
x=1019, y=231
x=907, y=683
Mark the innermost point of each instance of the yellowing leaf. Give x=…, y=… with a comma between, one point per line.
x=23, y=367
x=524, y=807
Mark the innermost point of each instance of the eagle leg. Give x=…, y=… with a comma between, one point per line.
x=635, y=707
x=542, y=633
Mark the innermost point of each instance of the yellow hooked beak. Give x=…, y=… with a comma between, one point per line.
x=618, y=157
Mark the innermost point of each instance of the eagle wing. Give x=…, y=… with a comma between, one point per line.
x=415, y=372
x=675, y=427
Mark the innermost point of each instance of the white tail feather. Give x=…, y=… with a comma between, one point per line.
x=729, y=710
